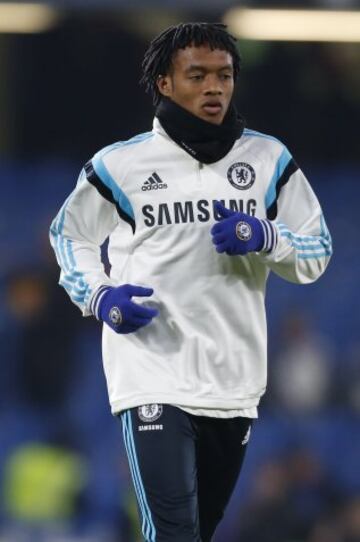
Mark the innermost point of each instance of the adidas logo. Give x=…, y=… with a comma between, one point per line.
x=153, y=183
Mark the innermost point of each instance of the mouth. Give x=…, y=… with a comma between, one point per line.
x=212, y=108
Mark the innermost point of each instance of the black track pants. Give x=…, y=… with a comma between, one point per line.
x=184, y=469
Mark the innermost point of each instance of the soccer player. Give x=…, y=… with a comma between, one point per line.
x=198, y=211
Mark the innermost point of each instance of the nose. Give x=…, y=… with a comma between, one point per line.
x=213, y=87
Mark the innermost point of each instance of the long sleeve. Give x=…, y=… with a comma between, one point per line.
x=87, y=217
x=303, y=245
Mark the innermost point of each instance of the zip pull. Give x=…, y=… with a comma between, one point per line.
x=201, y=165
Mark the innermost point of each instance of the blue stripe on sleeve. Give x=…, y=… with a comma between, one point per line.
x=324, y=238
x=281, y=164
x=59, y=242
x=69, y=288
x=71, y=279
x=309, y=246
x=315, y=244
x=69, y=247
x=314, y=255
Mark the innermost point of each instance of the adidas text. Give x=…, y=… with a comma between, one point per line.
x=153, y=183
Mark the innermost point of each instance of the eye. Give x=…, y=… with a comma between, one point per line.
x=196, y=77
x=225, y=76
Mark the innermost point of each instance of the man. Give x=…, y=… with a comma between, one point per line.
x=198, y=211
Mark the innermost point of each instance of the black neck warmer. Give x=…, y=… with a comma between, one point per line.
x=204, y=141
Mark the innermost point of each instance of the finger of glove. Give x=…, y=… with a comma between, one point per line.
x=222, y=210
x=240, y=249
x=243, y=249
x=138, y=291
x=140, y=311
x=117, y=329
x=226, y=224
x=217, y=228
x=221, y=247
x=219, y=238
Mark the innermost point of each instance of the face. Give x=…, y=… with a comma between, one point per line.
x=202, y=81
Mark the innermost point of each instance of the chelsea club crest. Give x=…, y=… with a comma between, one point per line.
x=241, y=175
x=150, y=413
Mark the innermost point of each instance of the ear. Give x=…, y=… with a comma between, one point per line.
x=164, y=84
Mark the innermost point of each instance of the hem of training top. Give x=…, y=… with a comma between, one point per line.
x=251, y=413
x=171, y=399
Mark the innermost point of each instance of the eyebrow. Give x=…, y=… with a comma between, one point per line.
x=198, y=67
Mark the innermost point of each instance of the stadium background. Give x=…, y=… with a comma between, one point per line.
x=69, y=87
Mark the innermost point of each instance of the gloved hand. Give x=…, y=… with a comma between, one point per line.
x=239, y=233
x=115, y=307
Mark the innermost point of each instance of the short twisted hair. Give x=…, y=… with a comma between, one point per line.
x=158, y=58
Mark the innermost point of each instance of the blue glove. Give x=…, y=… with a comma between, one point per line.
x=239, y=233
x=114, y=306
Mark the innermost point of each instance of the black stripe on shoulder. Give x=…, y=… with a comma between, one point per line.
x=271, y=212
x=94, y=179
x=106, y=193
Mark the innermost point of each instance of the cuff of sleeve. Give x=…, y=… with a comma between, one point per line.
x=270, y=236
x=96, y=299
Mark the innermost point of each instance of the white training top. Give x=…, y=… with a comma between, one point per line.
x=206, y=351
